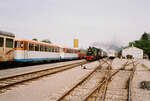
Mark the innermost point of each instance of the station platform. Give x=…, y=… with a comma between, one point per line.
x=21, y=70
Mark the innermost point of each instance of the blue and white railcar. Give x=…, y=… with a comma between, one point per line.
x=69, y=53
x=29, y=51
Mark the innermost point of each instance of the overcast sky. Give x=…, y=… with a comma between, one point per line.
x=90, y=21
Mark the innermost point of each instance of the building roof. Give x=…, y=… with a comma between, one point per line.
x=7, y=33
x=133, y=48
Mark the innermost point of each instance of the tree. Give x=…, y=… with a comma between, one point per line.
x=143, y=43
x=131, y=43
x=145, y=36
x=46, y=41
x=35, y=39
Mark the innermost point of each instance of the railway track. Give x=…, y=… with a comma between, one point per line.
x=109, y=90
x=78, y=92
x=17, y=79
x=95, y=87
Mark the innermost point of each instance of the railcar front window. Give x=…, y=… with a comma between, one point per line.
x=1, y=42
x=9, y=43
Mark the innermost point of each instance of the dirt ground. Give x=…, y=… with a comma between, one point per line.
x=142, y=74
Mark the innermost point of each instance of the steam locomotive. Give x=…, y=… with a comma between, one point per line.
x=94, y=53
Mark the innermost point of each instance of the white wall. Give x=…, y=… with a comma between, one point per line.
x=135, y=52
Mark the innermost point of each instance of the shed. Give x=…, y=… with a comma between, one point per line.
x=136, y=53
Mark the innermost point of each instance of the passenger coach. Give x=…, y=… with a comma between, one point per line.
x=69, y=53
x=26, y=51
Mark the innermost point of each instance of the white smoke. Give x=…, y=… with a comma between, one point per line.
x=112, y=45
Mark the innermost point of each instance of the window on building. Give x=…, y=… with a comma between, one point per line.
x=1, y=42
x=9, y=43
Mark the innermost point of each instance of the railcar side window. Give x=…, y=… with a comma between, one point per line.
x=1, y=42
x=25, y=45
x=69, y=51
x=52, y=49
x=36, y=47
x=46, y=49
x=56, y=49
x=41, y=48
x=21, y=44
x=9, y=43
x=49, y=49
x=61, y=49
x=17, y=44
x=31, y=47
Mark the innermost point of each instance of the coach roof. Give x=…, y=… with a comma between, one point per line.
x=7, y=33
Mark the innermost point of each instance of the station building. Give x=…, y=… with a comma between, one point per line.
x=136, y=53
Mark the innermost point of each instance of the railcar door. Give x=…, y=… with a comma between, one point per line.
x=61, y=53
x=9, y=51
x=26, y=47
x=1, y=48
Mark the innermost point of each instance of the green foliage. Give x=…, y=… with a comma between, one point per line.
x=46, y=41
x=145, y=36
x=131, y=43
x=143, y=43
x=35, y=39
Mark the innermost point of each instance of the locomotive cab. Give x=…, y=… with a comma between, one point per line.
x=6, y=46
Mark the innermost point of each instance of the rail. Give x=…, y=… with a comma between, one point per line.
x=17, y=79
x=107, y=79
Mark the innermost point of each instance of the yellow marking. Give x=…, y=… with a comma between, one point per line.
x=144, y=66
